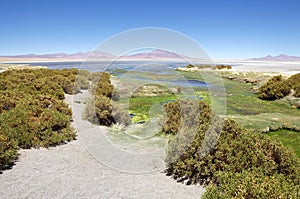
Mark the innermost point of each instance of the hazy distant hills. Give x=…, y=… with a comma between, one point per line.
x=94, y=55
x=78, y=55
x=281, y=57
x=156, y=54
x=148, y=55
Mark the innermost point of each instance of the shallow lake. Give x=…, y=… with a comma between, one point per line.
x=119, y=68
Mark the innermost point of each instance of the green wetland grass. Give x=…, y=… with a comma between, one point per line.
x=288, y=138
x=242, y=104
x=140, y=106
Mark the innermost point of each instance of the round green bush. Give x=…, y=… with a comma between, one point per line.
x=275, y=88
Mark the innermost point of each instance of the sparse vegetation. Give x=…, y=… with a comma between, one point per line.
x=100, y=108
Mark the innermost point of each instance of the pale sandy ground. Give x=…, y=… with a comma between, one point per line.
x=71, y=171
x=285, y=68
x=282, y=67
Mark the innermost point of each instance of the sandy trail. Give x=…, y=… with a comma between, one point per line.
x=71, y=171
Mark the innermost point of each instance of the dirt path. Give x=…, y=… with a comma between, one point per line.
x=75, y=170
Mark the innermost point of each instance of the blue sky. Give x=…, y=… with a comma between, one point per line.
x=226, y=29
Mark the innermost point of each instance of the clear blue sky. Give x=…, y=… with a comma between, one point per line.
x=225, y=28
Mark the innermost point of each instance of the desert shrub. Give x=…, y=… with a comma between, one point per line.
x=294, y=81
x=45, y=87
x=32, y=113
x=8, y=152
x=173, y=117
x=190, y=66
x=68, y=84
x=89, y=111
x=94, y=77
x=84, y=73
x=277, y=87
x=82, y=82
x=251, y=184
x=45, y=81
x=99, y=76
x=104, y=88
x=236, y=150
x=202, y=66
x=120, y=116
x=4, y=84
x=185, y=113
x=26, y=98
x=219, y=67
x=70, y=87
x=101, y=111
x=101, y=84
x=35, y=126
x=297, y=89
x=9, y=99
x=32, y=83
x=46, y=102
x=274, y=89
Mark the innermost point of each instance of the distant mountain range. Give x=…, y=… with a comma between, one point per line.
x=78, y=55
x=156, y=54
x=151, y=55
x=281, y=57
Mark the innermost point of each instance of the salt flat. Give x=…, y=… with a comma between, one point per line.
x=262, y=66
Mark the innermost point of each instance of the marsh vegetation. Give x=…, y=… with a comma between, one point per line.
x=256, y=155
